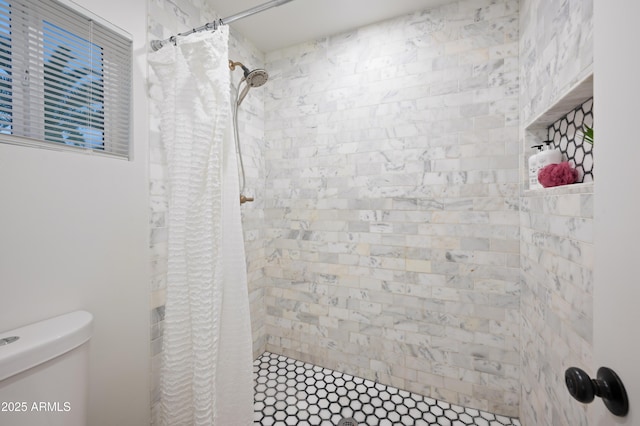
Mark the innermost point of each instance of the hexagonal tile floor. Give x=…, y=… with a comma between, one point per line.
x=290, y=392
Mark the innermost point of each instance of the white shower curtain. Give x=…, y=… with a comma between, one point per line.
x=206, y=377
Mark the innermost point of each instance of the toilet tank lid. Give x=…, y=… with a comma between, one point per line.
x=41, y=341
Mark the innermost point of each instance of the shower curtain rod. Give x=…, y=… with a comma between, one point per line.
x=157, y=44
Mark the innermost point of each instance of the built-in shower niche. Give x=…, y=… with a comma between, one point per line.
x=563, y=124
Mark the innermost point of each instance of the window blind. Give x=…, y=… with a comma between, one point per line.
x=65, y=79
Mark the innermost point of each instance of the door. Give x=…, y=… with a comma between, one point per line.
x=617, y=201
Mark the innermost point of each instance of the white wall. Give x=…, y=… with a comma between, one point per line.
x=74, y=235
x=617, y=201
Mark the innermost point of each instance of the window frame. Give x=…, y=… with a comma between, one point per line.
x=117, y=132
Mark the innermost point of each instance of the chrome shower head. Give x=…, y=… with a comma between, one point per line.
x=255, y=78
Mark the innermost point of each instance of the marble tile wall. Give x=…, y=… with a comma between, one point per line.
x=556, y=51
x=557, y=301
x=167, y=18
x=556, y=224
x=392, y=203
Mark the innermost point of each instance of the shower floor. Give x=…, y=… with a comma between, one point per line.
x=294, y=393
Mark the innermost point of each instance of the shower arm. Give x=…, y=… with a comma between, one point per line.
x=158, y=44
x=233, y=65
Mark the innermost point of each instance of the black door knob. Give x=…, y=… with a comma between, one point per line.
x=607, y=386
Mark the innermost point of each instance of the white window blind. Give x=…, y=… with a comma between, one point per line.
x=65, y=79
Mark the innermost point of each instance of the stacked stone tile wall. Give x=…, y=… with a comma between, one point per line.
x=556, y=49
x=392, y=203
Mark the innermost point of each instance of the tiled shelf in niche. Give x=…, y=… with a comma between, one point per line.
x=562, y=124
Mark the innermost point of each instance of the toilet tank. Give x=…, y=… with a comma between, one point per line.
x=44, y=372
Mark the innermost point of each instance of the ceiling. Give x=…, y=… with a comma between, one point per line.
x=305, y=20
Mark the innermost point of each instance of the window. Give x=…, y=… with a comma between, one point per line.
x=65, y=79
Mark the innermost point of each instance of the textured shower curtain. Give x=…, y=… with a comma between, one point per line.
x=206, y=377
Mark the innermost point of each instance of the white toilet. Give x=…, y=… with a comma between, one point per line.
x=44, y=372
